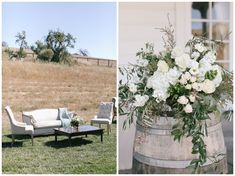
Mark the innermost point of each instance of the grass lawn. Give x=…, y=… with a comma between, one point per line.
x=84, y=156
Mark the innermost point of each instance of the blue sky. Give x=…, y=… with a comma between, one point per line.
x=92, y=23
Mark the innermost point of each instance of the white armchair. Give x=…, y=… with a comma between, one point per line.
x=104, y=116
x=18, y=128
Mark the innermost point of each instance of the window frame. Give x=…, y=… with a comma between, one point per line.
x=210, y=20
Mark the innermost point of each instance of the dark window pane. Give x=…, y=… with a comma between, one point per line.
x=200, y=29
x=220, y=31
x=220, y=10
x=200, y=10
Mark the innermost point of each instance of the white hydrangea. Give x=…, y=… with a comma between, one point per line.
x=208, y=86
x=182, y=100
x=160, y=95
x=183, y=61
x=173, y=75
x=218, y=79
x=193, y=64
x=177, y=52
x=132, y=87
x=209, y=57
x=142, y=62
x=162, y=66
x=195, y=55
x=200, y=47
x=188, y=108
x=140, y=100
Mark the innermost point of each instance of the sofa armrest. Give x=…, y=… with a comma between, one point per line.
x=28, y=119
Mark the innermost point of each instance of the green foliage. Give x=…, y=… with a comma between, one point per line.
x=21, y=39
x=45, y=55
x=211, y=74
x=39, y=47
x=59, y=42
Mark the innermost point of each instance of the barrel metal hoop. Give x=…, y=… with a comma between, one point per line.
x=167, y=132
x=170, y=163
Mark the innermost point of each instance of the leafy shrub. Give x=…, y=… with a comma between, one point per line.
x=46, y=55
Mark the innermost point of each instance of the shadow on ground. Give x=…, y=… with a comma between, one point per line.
x=75, y=142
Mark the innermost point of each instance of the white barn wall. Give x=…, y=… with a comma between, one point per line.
x=137, y=23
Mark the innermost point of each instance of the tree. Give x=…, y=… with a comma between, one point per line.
x=83, y=52
x=59, y=42
x=21, y=41
x=39, y=47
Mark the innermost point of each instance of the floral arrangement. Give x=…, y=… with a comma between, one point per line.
x=186, y=82
x=76, y=121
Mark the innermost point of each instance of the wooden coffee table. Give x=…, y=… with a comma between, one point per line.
x=81, y=130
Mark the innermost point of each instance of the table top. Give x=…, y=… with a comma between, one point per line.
x=80, y=129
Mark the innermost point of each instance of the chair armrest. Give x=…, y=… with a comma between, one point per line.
x=72, y=114
x=28, y=119
x=95, y=117
x=20, y=124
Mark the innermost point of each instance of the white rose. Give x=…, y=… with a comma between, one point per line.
x=183, y=81
x=160, y=95
x=188, y=86
x=142, y=62
x=192, y=98
x=132, y=88
x=195, y=55
x=197, y=86
x=200, y=47
x=162, y=66
x=194, y=71
x=176, y=52
x=187, y=49
x=182, y=100
x=186, y=76
x=188, y=108
x=208, y=86
x=193, y=79
x=183, y=61
x=140, y=100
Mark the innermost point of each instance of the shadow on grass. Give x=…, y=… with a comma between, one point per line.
x=75, y=142
x=19, y=139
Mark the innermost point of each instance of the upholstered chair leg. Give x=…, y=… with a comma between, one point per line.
x=99, y=125
x=91, y=123
x=32, y=138
x=110, y=127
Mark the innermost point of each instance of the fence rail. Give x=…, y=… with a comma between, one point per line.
x=30, y=55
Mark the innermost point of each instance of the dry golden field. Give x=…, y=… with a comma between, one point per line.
x=32, y=85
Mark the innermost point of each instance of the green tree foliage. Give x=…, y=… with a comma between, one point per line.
x=59, y=42
x=55, y=47
x=45, y=54
x=21, y=41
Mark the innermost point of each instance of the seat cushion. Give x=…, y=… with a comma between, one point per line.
x=48, y=124
x=104, y=121
x=43, y=114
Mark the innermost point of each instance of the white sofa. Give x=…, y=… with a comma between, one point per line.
x=43, y=120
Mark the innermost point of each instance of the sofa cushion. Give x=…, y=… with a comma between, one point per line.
x=48, y=124
x=104, y=121
x=43, y=114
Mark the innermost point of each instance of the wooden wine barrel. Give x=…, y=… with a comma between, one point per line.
x=158, y=153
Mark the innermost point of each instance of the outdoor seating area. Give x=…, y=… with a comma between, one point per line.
x=50, y=134
x=52, y=122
